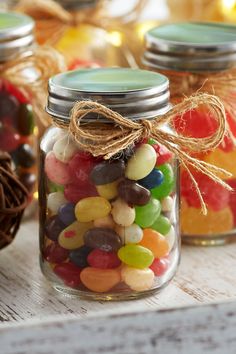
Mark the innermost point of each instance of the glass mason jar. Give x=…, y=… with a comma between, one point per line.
x=108, y=228
x=16, y=117
x=196, y=57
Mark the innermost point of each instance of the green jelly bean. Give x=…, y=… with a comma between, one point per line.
x=166, y=187
x=53, y=187
x=152, y=141
x=136, y=256
x=161, y=224
x=147, y=214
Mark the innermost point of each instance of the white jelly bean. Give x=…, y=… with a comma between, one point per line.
x=65, y=148
x=130, y=234
x=55, y=200
x=141, y=163
x=170, y=237
x=167, y=204
x=138, y=279
x=122, y=214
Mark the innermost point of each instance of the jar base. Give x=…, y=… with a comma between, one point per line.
x=209, y=240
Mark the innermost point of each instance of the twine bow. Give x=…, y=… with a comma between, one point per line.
x=108, y=139
x=30, y=73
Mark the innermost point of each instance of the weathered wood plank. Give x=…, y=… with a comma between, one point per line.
x=200, y=329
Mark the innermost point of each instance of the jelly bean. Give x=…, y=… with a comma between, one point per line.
x=54, y=201
x=9, y=105
x=69, y=273
x=24, y=156
x=160, y=266
x=141, y=163
x=171, y=237
x=122, y=214
x=15, y=92
x=215, y=196
x=108, y=191
x=92, y=208
x=53, y=187
x=136, y=256
x=79, y=256
x=133, y=193
x=28, y=180
x=100, y=280
x=167, y=204
x=66, y=213
x=56, y=170
x=232, y=198
x=25, y=121
x=225, y=160
x=102, y=238
x=155, y=242
x=72, y=236
x=103, y=260
x=161, y=224
x=164, y=189
x=9, y=139
x=130, y=234
x=163, y=154
x=138, y=279
x=154, y=179
x=74, y=193
x=147, y=214
x=53, y=227
x=65, y=148
x=107, y=172
x=107, y=222
x=54, y=253
x=193, y=222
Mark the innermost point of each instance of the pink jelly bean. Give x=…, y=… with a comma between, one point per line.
x=56, y=170
x=103, y=260
x=160, y=266
x=74, y=193
x=69, y=273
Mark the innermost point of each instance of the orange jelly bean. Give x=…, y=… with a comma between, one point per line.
x=100, y=280
x=155, y=242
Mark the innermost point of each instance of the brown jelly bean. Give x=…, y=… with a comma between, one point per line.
x=107, y=172
x=102, y=238
x=133, y=193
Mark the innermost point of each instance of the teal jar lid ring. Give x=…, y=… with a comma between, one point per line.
x=134, y=93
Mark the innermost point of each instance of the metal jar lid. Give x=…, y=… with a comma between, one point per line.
x=77, y=4
x=134, y=93
x=191, y=46
x=16, y=34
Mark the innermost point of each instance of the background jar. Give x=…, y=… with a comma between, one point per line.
x=108, y=228
x=17, y=129
x=195, y=56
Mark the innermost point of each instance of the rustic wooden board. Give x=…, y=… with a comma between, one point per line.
x=29, y=307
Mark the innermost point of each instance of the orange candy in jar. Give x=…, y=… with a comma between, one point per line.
x=196, y=57
x=108, y=227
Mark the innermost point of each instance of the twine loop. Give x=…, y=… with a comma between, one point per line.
x=103, y=132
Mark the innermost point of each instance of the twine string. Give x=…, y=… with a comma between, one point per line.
x=118, y=133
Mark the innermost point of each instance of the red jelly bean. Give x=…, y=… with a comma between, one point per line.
x=74, y=193
x=69, y=273
x=9, y=139
x=54, y=253
x=80, y=167
x=103, y=260
x=232, y=198
x=163, y=154
x=160, y=266
x=215, y=196
x=7, y=86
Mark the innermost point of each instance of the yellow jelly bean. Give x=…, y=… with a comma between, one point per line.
x=72, y=236
x=108, y=191
x=92, y=208
x=141, y=163
x=138, y=279
x=107, y=222
x=193, y=222
x=100, y=280
x=225, y=160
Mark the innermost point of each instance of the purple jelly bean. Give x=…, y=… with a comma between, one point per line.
x=66, y=213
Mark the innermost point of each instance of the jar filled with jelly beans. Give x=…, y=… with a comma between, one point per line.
x=16, y=117
x=108, y=228
x=199, y=57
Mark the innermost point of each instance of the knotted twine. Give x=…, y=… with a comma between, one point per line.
x=30, y=72
x=119, y=133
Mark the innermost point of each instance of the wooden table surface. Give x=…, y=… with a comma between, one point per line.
x=198, y=308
